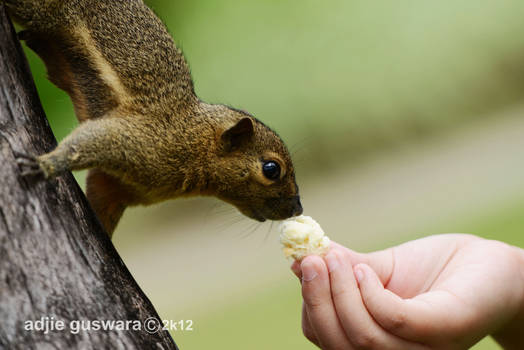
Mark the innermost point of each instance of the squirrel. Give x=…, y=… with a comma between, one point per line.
x=144, y=134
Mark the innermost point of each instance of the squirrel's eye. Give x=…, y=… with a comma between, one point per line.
x=271, y=170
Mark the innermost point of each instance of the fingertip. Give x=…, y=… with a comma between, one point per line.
x=311, y=266
x=333, y=260
x=359, y=273
x=312, y=260
x=364, y=274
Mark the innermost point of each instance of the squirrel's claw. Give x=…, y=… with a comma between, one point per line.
x=31, y=173
x=20, y=155
x=28, y=164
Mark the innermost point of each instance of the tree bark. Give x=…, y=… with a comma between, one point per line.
x=56, y=262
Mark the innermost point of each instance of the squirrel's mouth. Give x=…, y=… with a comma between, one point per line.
x=273, y=210
x=253, y=214
x=259, y=218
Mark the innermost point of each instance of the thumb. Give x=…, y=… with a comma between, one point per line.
x=380, y=261
x=401, y=317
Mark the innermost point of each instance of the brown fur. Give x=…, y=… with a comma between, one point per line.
x=144, y=133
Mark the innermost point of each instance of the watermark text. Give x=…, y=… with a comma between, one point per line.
x=48, y=324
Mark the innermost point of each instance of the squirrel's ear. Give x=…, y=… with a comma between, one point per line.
x=238, y=135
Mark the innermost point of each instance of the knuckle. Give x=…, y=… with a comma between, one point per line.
x=338, y=293
x=314, y=302
x=396, y=322
x=365, y=341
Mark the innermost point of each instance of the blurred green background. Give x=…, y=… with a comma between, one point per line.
x=404, y=119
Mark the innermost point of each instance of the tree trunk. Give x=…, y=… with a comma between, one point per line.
x=57, y=265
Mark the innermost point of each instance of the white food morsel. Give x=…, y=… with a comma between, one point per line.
x=302, y=236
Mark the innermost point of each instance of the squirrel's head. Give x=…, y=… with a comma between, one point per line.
x=254, y=170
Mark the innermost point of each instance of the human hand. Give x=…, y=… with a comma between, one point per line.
x=440, y=292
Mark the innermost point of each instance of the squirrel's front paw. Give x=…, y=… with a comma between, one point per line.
x=29, y=165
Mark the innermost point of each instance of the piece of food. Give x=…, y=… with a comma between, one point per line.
x=302, y=236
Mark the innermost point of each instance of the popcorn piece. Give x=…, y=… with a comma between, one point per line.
x=302, y=236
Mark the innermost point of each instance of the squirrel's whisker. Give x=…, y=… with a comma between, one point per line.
x=232, y=222
x=251, y=229
x=269, y=230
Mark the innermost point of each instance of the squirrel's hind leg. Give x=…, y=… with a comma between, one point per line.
x=108, y=197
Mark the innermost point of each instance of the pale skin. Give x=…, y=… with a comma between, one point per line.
x=440, y=292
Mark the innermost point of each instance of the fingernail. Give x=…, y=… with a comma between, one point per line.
x=332, y=262
x=359, y=274
x=308, y=272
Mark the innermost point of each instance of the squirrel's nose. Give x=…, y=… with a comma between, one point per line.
x=297, y=206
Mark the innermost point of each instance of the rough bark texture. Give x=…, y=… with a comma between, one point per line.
x=55, y=259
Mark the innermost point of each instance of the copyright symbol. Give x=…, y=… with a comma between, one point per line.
x=152, y=325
